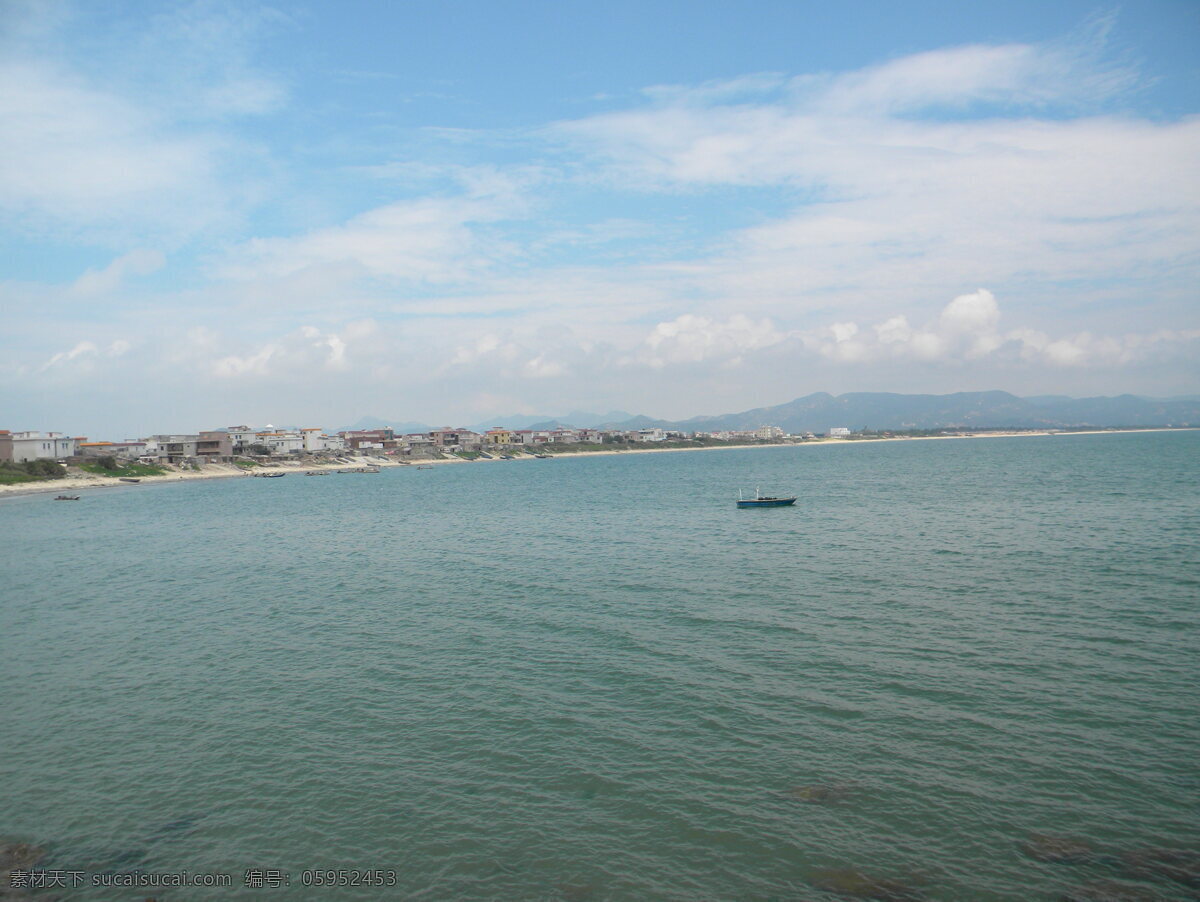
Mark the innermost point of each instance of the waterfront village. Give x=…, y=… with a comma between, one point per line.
x=241, y=443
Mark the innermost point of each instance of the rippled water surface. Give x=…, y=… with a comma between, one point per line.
x=596, y=678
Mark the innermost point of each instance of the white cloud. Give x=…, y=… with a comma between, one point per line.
x=967, y=330
x=976, y=312
x=305, y=354
x=140, y=262
x=431, y=240
x=540, y=367
x=866, y=200
x=694, y=339
x=83, y=355
x=890, y=206
x=78, y=156
x=1007, y=76
x=125, y=134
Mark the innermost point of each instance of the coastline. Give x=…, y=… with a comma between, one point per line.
x=210, y=471
x=230, y=471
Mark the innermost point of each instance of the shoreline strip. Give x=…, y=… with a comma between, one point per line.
x=228, y=471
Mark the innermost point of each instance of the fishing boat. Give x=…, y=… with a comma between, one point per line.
x=761, y=500
x=270, y=475
x=66, y=497
x=128, y=479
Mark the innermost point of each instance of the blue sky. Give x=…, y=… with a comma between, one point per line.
x=215, y=213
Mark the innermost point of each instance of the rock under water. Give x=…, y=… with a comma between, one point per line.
x=1177, y=865
x=854, y=884
x=820, y=793
x=15, y=856
x=1056, y=849
x=1108, y=891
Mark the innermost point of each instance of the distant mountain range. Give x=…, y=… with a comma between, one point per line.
x=576, y=418
x=376, y=423
x=882, y=410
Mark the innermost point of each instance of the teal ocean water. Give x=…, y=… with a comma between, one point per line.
x=954, y=670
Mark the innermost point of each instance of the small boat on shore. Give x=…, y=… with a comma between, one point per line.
x=128, y=479
x=761, y=500
x=269, y=475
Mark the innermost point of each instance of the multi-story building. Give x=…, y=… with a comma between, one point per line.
x=417, y=442
x=356, y=439
x=498, y=436
x=768, y=433
x=214, y=446
x=839, y=432
x=456, y=437
x=241, y=438
x=332, y=443
x=126, y=450
x=175, y=448
x=311, y=437
x=22, y=446
x=280, y=442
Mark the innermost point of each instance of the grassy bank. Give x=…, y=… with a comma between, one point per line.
x=13, y=473
x=103, y=468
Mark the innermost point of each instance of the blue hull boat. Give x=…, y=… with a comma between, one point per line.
x=766, y=502
x=761, y=500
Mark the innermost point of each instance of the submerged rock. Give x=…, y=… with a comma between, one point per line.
x=1056, y=849
x=1108, y=891
x=1177, y=865
x=854, y=884
x=820, y=793
x=15, y=855
x=575, y=892
x=182, y=825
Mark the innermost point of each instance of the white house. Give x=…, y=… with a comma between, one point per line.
x=311, y=439
x=332, y=443
x=839, y=432
x=241, y=437
x=280, y=442
x=22, y=446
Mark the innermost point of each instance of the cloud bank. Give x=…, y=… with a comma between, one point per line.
x=746, y=239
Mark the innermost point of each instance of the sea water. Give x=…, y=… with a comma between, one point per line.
x=596, y=678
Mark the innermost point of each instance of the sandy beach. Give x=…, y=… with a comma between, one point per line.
x=77, y=481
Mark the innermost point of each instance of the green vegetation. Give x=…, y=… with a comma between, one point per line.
x=102, y=468
x=245, y=464
x=12, y=473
